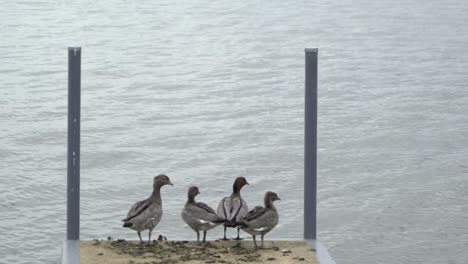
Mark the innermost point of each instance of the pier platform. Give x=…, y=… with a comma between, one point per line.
x=171, y=252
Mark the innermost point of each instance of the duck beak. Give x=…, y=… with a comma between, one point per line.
x=277, y=198
x=170, y=183
x=246, y=183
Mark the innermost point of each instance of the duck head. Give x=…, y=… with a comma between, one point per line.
x=192, y=192
x=238, y=184
x=270, y=197
x=161, y=180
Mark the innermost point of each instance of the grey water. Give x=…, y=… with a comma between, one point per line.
x=205, y=91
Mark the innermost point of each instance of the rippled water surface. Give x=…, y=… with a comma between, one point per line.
x=205, y=91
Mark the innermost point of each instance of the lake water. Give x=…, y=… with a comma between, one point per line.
x=205, y=91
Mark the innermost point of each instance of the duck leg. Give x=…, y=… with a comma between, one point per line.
x=198, y=236
x=204, y=236
x=225, y=227
x=263, y=247
x=238, y=237
x=255, y=242
x=149, y=236
x=139, y=235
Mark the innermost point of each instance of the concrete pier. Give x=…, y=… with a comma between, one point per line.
x=124, y=252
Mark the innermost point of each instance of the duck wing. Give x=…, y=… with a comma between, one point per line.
x=221, y=210
x=201, y=213
x=137, y=209
x=210, y=213
x=242, y=211
x=205, y=207
x=254, y=214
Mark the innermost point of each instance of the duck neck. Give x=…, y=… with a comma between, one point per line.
x=156, y=195
x=190, y=199
x=268, y=203
x=236, y=188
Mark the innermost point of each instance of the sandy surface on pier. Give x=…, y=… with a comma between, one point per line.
x=172, y=252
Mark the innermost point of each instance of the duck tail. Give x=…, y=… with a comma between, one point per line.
x=234, y=223
x=231, y=223
x=127, y=224
x=241, y=224
x=220, y=221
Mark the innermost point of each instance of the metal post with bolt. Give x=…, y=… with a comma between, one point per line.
x=73, y=158
x=310, y=145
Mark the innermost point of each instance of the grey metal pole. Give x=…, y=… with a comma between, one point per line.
x=310, y=145
x=73, y=165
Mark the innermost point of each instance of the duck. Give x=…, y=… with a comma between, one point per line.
x=199, y=216
x=261, y=220
x=233, y=207
x=146, y=214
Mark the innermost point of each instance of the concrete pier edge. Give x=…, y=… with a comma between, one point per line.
x=321, y=252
